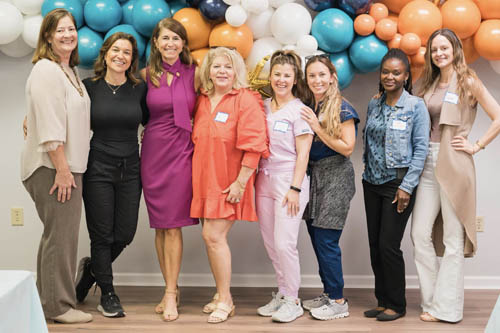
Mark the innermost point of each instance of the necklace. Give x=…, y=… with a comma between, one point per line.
x=79, y=88
x=114, y=90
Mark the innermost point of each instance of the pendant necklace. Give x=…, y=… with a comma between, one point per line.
x=114, y=90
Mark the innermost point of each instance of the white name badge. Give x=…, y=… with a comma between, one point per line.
x=451, y=98
x=221, y=117
x=280, y=126
x=398, y=125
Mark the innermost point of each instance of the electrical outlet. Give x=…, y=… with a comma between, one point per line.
x=17, y=216
x=480, y=223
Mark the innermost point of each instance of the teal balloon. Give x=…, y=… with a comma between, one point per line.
x=127, y=28
x=344, y=67
x=127, y=9
x=333, y=29
x=89, y=44
x=147, y=13
x=177, y=5
x=73, y=6
x=83, y=2
x=366, y=53
x=102, y=15
x=148, y=52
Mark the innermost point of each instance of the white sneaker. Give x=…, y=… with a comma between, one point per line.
x=332, y=310
x=270, y=308
x=289, y=310
x=316, y=302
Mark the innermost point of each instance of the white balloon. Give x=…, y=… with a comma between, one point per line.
x=277, y=3
x=307, y=44
x=261, y=48
x=32, y=29
x=255, y=6
x=11, y=23
x=231, y=2
x=17, y=48
x=290, y=22
x=236, y=15
x=260, y=24
x=289, y=47
x=29, y=7
x=496, y=65
x=9, y=1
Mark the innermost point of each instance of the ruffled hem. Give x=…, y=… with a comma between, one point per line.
x=219, y=208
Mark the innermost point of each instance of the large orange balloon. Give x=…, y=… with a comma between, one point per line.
x=487, y=40
x=199, y=55
x=240, y=38
x=378, y=11
x=394, y=43
x=364, y=24
x=461, y=16
x=395, y=5
x=470, y=52
x=410, y=43
x=421, y=17
x=490, y=9
x=386, y=29
x=418, y=59
x=198, y=30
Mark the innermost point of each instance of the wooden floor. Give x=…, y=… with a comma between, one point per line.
x=139, y=304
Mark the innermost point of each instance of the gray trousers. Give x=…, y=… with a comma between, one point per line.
x=57, y=253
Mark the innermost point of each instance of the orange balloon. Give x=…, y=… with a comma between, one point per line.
x=416, y=72
x=470, y=52
x=395, y=5
x=421, y=17
x=394, y=43
x=418, y=59
x=378, y=11
x=410, y=43
x=386, y=29
x=487, y=40
x=199, y=55
x=394, y=17
x=364, y=24
x=490, y=9
x=461, y=16
x=198, y=30
x=240, y=38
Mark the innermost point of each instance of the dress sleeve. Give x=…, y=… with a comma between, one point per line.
x=300, y=126
x=251, y=129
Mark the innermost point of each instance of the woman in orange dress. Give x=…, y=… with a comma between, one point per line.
x=229, y=138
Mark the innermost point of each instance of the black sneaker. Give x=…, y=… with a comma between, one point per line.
x=84, y=279
x=110, y=306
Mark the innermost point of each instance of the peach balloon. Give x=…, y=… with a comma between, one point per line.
x=240, y=38
x=470, y=52
x=394, y=43
x=378, y=11
x=490, y=9
x=394, y=17
x=395, y=5
x=364, y=24
x=421, y=17
x=199, y=55
x=461, y=16
x=386, y=29
x=418, y=59
x=487, y=40
x=410, y=43
x=198, y=30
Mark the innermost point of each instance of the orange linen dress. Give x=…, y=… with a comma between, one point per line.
x=232, y=136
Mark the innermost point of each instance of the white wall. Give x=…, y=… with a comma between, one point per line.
x=251, y=267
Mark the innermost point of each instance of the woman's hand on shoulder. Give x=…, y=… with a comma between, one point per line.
x=310, y=117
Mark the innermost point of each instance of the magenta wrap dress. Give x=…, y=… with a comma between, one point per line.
x=167, y=149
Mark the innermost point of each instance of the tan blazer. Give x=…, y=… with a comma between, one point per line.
x=455, y=171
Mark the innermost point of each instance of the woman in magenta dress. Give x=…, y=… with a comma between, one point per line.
x=167, y=150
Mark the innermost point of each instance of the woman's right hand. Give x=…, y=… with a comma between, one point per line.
x=63, y=182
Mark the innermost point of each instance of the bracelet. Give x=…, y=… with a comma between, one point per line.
x=296, y=189
x=480, y=145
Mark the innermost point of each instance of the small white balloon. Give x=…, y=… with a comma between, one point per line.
x=31, y=29
x=290, y=22
x=11, y=23
x=236, y=15
x=260, y=24
x=255, y=6
x=495, y=64
x=17, y=48
x=289, y=47
x=231, y=2
x=307, y=44
x=29, y=7
x=261, y=48
x=277, y=3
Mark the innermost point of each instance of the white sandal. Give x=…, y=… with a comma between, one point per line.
x=221, y=313
x=210, y=307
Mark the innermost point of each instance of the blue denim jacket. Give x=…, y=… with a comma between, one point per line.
x=406, y=136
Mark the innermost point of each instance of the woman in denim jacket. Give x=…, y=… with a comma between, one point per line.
x=396, y=138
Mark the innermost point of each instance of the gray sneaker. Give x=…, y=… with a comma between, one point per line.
x=332, y=310
x=270, y=308
x=289, y=310
x=319, y=301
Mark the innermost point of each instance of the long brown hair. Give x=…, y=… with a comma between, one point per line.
x=155, y=60
x=49, y=25
x=100, y=63
x=465, y=75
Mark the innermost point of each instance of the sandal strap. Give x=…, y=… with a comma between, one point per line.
x=223, y=307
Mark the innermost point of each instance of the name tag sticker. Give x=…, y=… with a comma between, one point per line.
x=280, y=126
x=398, y=125
x=221, y=117
x=451, y=98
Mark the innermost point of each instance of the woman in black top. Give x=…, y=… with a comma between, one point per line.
x=112, y=184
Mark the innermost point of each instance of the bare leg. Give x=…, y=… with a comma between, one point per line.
x=159, y=245
x=172, y=256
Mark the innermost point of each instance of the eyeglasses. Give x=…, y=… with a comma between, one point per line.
x=315, y=56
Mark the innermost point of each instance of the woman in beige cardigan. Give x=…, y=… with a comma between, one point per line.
x=445, y=208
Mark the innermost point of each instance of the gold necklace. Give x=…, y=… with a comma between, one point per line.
x=114, y=90
x=79, y=88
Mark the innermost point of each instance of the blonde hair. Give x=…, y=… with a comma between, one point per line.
x=49, y=25
x=240, y=80
x=465, y=75
x=155, y=69
x=288, y=57
x=329, y=113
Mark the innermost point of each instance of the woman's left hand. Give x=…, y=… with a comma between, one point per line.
x=235, y=192
x=462, y=144
x=310, y=117
x=403, y=199
x=291, y=199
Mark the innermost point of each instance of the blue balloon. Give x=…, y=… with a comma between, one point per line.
x=355, y=7
x=177, y=5
x=127, y=8
x=319, y=5
x=127, y=28
x=333, y=29
x=89, y=44
x=366, y=53
x=147, y=13
x=213, y=10
x=344, y=67
x=102, y=15
x=72, y=6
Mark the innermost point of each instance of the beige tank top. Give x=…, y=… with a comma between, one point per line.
x=434, y=107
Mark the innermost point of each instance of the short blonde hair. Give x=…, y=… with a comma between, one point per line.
x=240, y=80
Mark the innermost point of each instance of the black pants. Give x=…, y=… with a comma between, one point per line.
x=386, y=228
x=111, y=193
